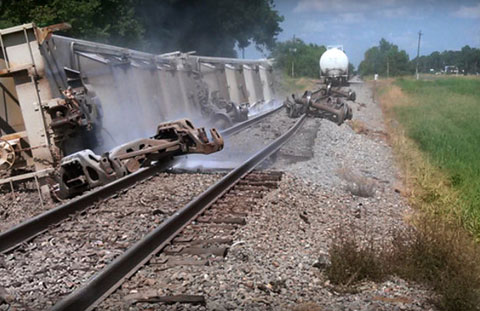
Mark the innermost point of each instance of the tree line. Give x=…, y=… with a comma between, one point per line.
x=386, y=59
x=210, y=27
x=467, y=60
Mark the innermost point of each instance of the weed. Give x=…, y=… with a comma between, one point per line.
x=444, y=257
x=441, y=256
x=358, y=126
x=353, y=261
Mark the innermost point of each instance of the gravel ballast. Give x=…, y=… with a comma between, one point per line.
x=44, y=270
x=20, y=205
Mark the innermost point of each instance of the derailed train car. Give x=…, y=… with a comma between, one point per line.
x=59, y=95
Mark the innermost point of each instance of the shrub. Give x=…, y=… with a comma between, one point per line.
x=441, y=256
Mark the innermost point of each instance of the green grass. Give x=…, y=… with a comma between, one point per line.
x=444, y=119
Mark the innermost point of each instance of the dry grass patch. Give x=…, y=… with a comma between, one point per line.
x=442, y=257
x=361, y=128
x=358, y=126
x=353, y=260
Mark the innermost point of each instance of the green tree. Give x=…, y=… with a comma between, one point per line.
x=467, y=60
x=304, y=57
x=110, y=21
x=351, y=68
x=384, y=59
x=209, y=27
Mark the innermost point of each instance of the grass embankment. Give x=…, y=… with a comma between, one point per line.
x=434, y=129
x=442, y=117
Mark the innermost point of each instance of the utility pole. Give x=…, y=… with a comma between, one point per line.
x=418, y=52
x=388, y=68
x=293, y=51
x=293, y=69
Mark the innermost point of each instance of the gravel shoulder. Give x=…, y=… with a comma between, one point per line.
x=23, y=204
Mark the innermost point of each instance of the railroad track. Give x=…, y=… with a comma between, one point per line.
x=201, y=243
x=125, y=265
x=115, y=252
x=31, y=228
x=49, y=267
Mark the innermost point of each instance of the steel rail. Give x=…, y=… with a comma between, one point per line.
x=36, y=225
x=111, y=277
x=242, y=125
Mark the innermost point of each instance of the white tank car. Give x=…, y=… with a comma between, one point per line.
x=334, y=65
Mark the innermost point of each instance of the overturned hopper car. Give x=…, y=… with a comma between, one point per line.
x=60, y=95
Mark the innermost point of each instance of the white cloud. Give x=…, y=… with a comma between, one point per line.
x=351, y=12
x=394, y=12
x=351, y=18
x=468, y=11
x=314, y=26
x=341, y=5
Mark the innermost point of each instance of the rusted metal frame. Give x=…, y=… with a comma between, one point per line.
x=4, y=52
x=13, y=189
x=47, y=56
x=10, y=72
x=110, y=278
x=145, y=151
x=5, y=108
x=31, y=53
x=89, y=56
x=34, y=79
x=31, y=228
x=39, y=174
x=37, y=184
x=6, y=127
x=99, y=48
x=242, y=125
x=42, y=111
x=223, y=60
x=45, y=33
x=5, y=90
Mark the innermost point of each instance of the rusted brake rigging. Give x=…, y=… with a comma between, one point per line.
x=85, y=170
x=319, y=104
x=324, y=102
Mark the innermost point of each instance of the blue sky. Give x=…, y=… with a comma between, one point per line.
x=359, y=25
